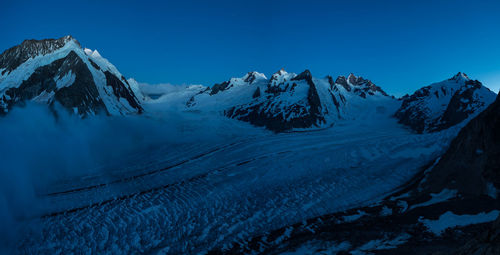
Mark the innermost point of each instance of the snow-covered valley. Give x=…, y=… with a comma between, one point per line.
x=192, y=196
x=96, y=163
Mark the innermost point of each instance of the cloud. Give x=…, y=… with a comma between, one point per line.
x=162, y=88
x=40, y=146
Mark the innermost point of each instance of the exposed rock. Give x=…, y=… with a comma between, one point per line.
x=219, y=87
x=15, y=56
x=444, y=104
x=82, y=94
x=256, y=93
x=473, y=160
x=486, y=243
x=64, y=73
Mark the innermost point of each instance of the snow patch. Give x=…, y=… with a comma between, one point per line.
x=451, y=220
x=381, y=244
x=65, y=81
x=444, y=195
x=354, y=217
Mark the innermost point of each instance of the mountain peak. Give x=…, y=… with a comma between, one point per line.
x=279, y=75
x=460, y=77
x=64, y=75
x=15, y=56
x=250, y=77
x=352, y=78
x=281, y=72
x=305, y=75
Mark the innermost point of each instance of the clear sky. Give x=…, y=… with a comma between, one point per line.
x=399, y=45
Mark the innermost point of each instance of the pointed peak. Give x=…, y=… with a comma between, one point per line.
x=11, y=58
x=352, y=78
x=279, y=75
x=96, y=54
x=250, y=77
x=67, y=38
x=92, y=53
x=460, y=77
x=88, y=51
x=341, y=79
x=281, y=72
x=305, y=75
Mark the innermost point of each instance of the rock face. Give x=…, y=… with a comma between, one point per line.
x=59, y=70
x=286, y=101
x=302, y=113
x=487, y=243
x=444, y=104
x=472, y=163
x=15, y=56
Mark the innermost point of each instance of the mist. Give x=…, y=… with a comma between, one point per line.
x=38, y=148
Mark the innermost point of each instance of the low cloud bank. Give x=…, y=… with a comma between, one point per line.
x=38, y=147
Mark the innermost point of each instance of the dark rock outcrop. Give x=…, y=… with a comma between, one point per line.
x=122, y=91
x=216, y=88
x=82, y=94
x=70, y=78
x=444, y=104
x=486, y=243
x=269, y=112
x=472, y=161
x=15, y=56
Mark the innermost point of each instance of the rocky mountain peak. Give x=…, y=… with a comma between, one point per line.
x=305, y=75
x=83, y=83
x=250, y=77
x=15, y=56
x=279, y=73
x=352, y=79
x=342, y=81
x=460, y=77
x=444, y=104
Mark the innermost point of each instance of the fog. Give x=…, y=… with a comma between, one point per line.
x=39, y=146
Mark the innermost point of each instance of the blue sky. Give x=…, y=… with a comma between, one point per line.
x=400, y=45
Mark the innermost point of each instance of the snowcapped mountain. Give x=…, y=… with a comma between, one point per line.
x=472, y=163
x=60, y=70
x=444, y=104
x=287, y=100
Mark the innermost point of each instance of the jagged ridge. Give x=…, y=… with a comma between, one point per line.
x=59, y=70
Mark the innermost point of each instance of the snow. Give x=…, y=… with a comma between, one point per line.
x=114, y=105
x=65, y=81
x=386, y=211
x=491, y=190
x=210, y=174
x=319, y=248
x=241, y=182
x=87, y=51
x=134, y=85
x=282, y=76
x=444, y=195
x=257, y=75
x=381, y=244
x=434, y=104
x=354, y=217
x=451, y=220
x=26, y=69
x=44, y=97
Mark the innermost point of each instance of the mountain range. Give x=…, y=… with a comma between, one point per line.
x=82, y=81
x=307, y=164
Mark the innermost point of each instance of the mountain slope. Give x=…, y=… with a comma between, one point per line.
x=59, y=70
x=444, y=104
x=472, y=163
x=288, y=101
